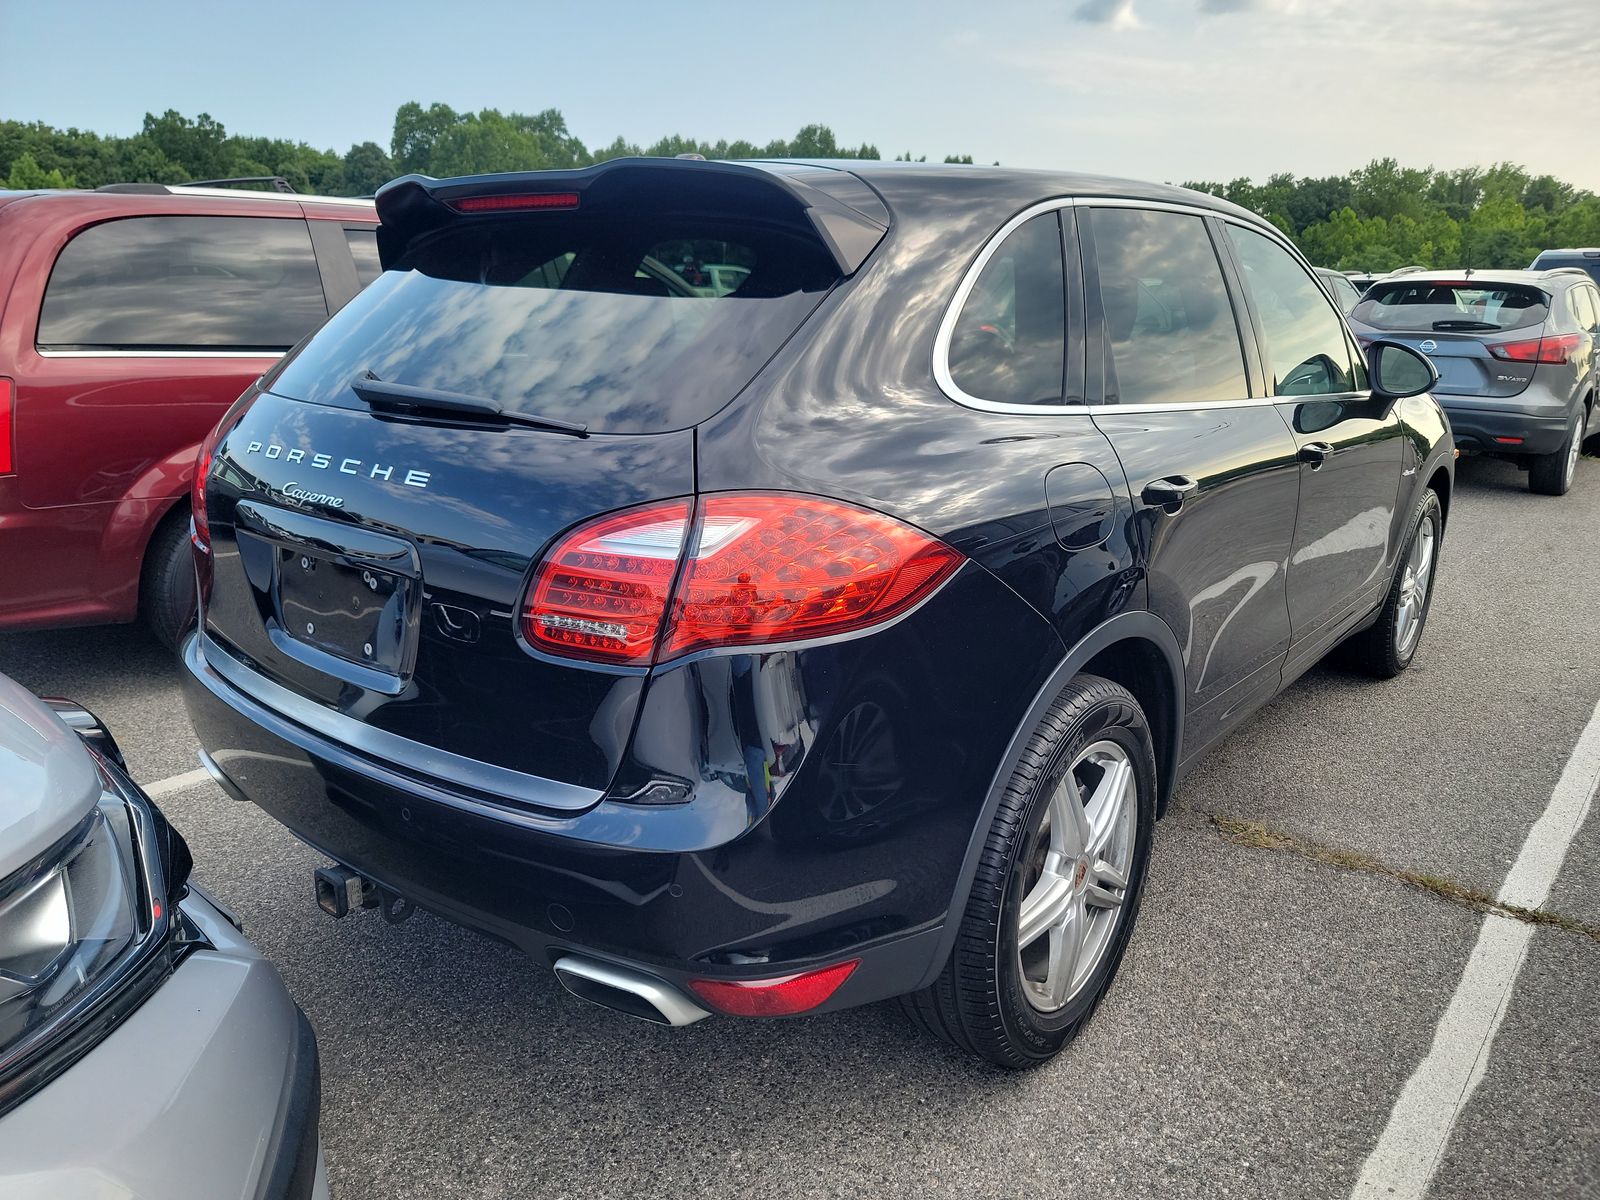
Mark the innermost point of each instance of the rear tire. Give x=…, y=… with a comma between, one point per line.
x=1388, y=646
x=1552, y=474
x=166, y=586
x=1017, y=1002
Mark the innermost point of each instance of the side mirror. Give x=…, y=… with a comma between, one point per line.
x=1399, y=371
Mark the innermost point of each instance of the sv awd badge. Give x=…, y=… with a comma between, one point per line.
x=345, y=466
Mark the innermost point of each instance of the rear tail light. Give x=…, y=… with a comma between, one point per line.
x=8, y=459
x=1555, y=349
x=743, y=569
x=773, y=997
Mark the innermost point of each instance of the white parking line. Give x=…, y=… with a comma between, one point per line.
x=1403, y=1163
x=176, y=783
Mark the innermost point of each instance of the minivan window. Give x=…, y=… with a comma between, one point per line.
x=615, y=321
x=1009, y=341
x=1417, y=305
x=364, y=249
x=1308, y=352
x=1168, y=320
x=181, y=283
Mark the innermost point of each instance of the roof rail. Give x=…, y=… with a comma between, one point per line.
x=1564, y=271
x=1411, y=270
x=278, y=182
x=141, y=189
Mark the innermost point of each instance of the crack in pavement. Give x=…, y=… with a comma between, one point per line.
x=1256, y=836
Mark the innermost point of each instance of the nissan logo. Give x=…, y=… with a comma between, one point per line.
x=1428, y=346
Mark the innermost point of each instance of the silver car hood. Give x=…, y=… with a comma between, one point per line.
x=48, y=780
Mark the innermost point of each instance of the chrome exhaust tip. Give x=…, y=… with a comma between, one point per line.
x=627, y=991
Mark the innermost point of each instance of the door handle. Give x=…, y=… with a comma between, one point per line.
x=1316, y=453
x=1169, y=493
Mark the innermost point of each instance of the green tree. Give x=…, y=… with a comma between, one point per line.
x=27, y=175
x=367, y=167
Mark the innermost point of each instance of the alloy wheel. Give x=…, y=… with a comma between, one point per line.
x=1414, y=584
x=1575, y=450
x=1077, y=876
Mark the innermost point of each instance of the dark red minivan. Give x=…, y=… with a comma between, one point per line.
x=130, y=318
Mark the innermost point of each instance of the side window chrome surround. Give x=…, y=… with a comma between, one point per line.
x=941, y=343
x=947, y=325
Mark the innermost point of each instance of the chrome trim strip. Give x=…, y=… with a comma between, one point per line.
x=263, y=355
x=418, y=758
x=675, y=1008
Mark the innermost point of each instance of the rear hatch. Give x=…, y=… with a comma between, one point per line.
x=537, y=352
x=1464, y=325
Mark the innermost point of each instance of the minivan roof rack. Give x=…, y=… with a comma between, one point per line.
x=278, y=182
x=1564, y=271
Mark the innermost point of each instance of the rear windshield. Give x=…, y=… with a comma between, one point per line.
x=1585, y=260
x=629, y=326
x=1420, y=304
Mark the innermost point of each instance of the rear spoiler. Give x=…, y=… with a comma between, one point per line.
x=416, y=205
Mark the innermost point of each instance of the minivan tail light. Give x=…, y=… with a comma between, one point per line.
x=1550, y=350
x=8, y=458
x=202, y=466
x=742, y=569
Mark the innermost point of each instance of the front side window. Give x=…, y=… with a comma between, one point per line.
x=1308, y=353
x=1009, y=341
x=1173, y=339
x=184, y=283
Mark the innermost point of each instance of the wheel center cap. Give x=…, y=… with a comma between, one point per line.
x=1080, y=873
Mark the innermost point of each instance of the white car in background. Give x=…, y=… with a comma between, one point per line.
x=146, y=1049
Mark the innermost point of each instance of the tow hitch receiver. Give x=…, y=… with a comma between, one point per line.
x=339, y=889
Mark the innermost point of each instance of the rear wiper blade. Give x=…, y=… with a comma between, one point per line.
x=406, y=400
x=1463, y=326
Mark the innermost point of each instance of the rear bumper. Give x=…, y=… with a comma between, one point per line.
x=210, y=1088
x=1476, y=429
x=664, y=914
x=833, y=792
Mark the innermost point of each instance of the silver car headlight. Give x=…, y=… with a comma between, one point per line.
x=87, y=931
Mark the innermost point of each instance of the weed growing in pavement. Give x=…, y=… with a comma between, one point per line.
x=1261, y=837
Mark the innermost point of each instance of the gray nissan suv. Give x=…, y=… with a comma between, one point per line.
x=1516, y=358
x=147, y=1051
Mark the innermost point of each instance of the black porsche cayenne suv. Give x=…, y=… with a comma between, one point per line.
x=766, y=588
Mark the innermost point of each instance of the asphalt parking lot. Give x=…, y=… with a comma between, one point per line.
x=1270, y=1010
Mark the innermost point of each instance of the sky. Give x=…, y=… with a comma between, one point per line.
x=1151, y=89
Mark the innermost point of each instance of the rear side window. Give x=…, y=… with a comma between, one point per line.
x=1170, y=326
x=1591, y=303
x=1423, y=305
x=364, y=249
x=1345, y=292
x=638, y=323
x=183, y=283
x=1308, y=352
x=1009, y=341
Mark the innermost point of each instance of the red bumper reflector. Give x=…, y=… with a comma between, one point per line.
x=1509, y=441
x=522, y=202
x=781, y=997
